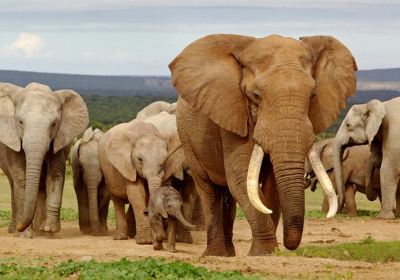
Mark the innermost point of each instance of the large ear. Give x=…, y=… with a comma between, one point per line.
x=175, y=161
x=118, y=151
x=374, y=115
x=74, y=118
x=334, y=74
x=8, y=128
x=207, y=75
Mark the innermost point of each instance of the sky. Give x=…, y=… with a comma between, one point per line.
x=140, y=37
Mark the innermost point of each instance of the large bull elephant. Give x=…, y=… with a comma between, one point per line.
x=36, y=127
x=378, y=124
x=248, y=110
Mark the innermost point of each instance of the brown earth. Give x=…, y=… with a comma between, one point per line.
x=71, y=244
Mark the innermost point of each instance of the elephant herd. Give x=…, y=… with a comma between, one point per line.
x=242, y=132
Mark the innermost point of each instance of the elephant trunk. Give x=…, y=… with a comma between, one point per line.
x=154, y=183
x=34, y=153
x=183, y=221
x=338, y=149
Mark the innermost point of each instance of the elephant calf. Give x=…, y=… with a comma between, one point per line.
x=89, y=184
x=166, y=202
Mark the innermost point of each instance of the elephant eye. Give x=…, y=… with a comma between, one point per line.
x=53, y=124
x=20, y=122
x=140, y=159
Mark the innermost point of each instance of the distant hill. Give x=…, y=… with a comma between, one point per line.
x=95, y=85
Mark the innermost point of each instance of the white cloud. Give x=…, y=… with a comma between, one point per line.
x=29, y=44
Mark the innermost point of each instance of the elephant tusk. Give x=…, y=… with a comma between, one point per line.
x=326, y=183
x=253, y=174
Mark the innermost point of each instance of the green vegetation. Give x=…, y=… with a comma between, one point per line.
x=148, y=268
x=367, y=250
x=107, y=111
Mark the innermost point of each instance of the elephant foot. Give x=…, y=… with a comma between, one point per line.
x=120, y=236
x=85, y=230
x=171, y=248
x=230, y=249
x=27, y=234
x=12, y=227
x=51, y=224
x=262, y=248
x=217, y=249
x=144, y=237
x=385, y=215
x=157, y=246
x=184, y=237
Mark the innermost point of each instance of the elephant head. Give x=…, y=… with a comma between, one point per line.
x=360, y=126
x=139, y=148
x=279, y=92
x=38, y=120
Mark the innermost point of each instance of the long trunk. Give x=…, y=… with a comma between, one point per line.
x=34, y=153
x=153, y=183
x=93, y=207
x=183, y=221
x=338, y=149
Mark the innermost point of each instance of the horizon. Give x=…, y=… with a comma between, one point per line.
x=140, y=38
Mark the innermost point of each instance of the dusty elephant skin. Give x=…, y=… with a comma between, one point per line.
x=377, y=124
x=354, y=170
x=91, y=192
x=36, y=127
x=166, y=202
x=156, y=108
x=271, y=95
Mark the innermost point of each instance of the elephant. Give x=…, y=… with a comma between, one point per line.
x=354, y=171
x=253, y=105
x=155, y=108
x=37, y=126
x=166, y=202
x=377, y=124
x=135, y=159
x=91, y=191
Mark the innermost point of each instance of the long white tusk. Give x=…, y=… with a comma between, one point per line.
x=326, y=183
x=253, y=174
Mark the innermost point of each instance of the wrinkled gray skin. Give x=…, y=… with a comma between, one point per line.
x=166, y=202
x=91, y=192
x=155, y=108
x=378, y=124
x=36, y=127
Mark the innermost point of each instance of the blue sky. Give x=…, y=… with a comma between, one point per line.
x=139, y=37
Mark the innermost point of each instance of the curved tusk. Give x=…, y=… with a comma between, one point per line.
x=326, y=183
x=253, y=174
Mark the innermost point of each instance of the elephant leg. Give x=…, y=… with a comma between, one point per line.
x=54, y=189
x=83, y=209
x=130, y=217
x=138, y=199
x=157, y=230
x=350, y=200
x=228, y=218
x=171, y=229
x=271, y=194
x=325, y=205
x=389, y=180
x=121, y=232
x=12, y=226
x=397, y=209
x=103, y=205
x=40, y=214
x=198, y=217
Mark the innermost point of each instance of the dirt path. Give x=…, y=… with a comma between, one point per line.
x=71, y=244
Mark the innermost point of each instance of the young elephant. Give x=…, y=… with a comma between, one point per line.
x=155, y=108
x=166, y=202
x=89, y=184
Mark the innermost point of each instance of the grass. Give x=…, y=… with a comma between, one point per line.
x=367, y=250
x=148, y=268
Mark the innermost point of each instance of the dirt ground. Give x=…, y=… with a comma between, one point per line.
x=71, y=244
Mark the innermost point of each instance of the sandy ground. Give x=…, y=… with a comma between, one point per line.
x=71, y=244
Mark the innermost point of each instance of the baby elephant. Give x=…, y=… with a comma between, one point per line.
x=166, y=202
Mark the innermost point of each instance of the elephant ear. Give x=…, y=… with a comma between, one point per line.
x=8, y=128
x=118, y=152
x=175, y=160
x=74, y=118
x=334, y=74
x=207, y=75
x=374, y=116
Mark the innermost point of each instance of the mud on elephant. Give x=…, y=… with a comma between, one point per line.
x=248, y=109
x=36, y=127
x=91, y=192
x=377, y=124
